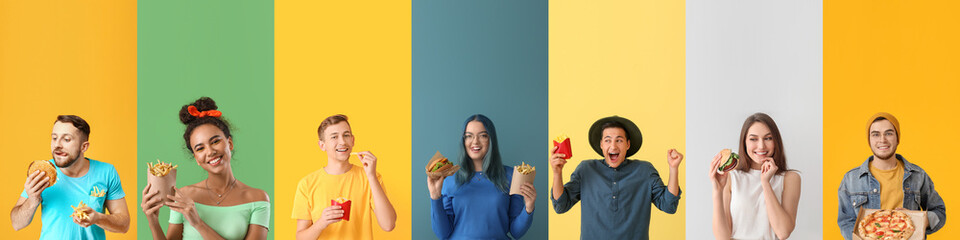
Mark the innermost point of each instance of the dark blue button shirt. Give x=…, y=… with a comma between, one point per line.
x=616, y=201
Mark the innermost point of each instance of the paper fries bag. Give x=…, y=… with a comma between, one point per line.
x=164, y=184
x=519, y=179
x=563, y=146
x=345, y=206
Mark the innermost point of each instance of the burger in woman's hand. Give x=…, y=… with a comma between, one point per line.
x=441, y=166
x=730, y=161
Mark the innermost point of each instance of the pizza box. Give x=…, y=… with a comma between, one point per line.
x=919, y=223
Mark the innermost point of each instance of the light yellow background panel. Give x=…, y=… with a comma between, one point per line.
x=336, y=57
x=897, y=57
x=621, y=58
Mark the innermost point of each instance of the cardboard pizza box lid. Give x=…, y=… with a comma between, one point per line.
x=919, y=223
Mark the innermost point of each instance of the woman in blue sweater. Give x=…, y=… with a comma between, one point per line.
x=474, y=204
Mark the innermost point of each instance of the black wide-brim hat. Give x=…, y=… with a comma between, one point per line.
x=633, y=134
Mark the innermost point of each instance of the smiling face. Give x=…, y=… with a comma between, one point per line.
x=476, y=140
x=67, y=144
x=883, y=139
x=211, y=148
x=760, y=142
x=614, y=144
x=337, y=141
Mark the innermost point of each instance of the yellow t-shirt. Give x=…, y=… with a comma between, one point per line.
x=891, y=186
x=315, y=191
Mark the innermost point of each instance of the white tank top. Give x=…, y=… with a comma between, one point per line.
x=748, y=208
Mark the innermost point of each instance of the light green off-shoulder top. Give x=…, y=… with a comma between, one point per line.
x=230, y=222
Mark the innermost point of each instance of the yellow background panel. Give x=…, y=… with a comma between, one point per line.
x=348, y=58
x=621, y=58
x=67, y=58
x=896, y=57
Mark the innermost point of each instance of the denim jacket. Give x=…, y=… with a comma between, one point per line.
x=860, y=189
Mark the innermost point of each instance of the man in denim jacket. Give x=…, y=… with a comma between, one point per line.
x=864, y=186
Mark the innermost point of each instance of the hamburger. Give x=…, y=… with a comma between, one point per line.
x=730, y=161
x=440, y=166
x=44, y=166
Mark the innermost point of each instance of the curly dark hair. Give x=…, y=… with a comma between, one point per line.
x=192, y=122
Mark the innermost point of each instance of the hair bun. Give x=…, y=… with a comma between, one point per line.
x=202, y=104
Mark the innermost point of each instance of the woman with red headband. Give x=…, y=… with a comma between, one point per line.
x=229, y=208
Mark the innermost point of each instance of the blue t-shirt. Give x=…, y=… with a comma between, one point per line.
x=55, y=207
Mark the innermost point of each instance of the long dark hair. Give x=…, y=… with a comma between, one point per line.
x=492, y=164
x=779, y=155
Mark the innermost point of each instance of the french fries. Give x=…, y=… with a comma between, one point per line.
x=160, y=169
x=522, y=174
x=97, y=192
x=562, y=143
x=344, y=205
x=525, y=168
x=78, y=213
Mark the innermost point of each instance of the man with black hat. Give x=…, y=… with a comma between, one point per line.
x=616, y=192
x=886, y=180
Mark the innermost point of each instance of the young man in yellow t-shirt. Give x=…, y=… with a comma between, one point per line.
x=887, y=180
x=317, y=217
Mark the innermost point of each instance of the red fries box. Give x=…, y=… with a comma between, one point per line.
x=563, y=146
x=345, y=205
x=919, y=223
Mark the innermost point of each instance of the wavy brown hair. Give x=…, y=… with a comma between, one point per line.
x=779, y=156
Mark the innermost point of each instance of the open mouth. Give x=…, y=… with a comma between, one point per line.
x=883, y=147
x=59, y=153
x=614, y=157
x=215, y=161
x=343, y=149
x=475, y=149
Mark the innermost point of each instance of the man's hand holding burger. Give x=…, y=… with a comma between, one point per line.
x=35, y=184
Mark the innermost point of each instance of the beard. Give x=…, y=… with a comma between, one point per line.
x=69, y=161
x=885, y=156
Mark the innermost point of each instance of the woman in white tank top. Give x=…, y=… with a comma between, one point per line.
x=758, y=199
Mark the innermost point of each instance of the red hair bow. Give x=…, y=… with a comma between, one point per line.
x=209, y=113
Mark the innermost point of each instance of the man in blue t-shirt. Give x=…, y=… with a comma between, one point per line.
x=79, y=179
